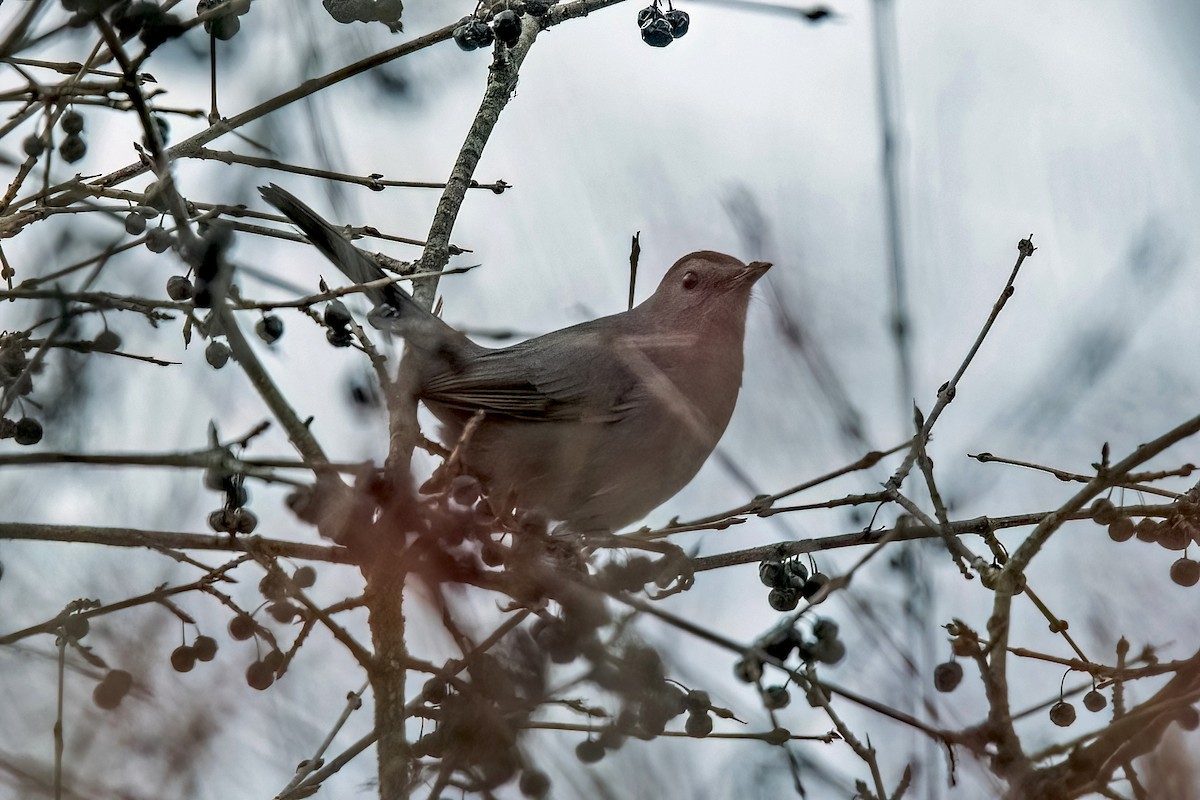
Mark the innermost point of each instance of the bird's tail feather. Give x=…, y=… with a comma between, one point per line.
x=335, y=246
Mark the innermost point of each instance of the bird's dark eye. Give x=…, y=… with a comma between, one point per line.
x=690, y=279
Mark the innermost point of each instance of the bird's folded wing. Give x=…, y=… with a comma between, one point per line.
x=545, y=379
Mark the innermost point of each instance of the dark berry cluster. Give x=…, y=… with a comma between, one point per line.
x=72, y=147
x=233, y=516
x=1177, y=531
x=473, y=33
x=142, y=18
x=824, y=646
x=16, y=375
x=184, y=657
x=660, y=28
x=789, y=580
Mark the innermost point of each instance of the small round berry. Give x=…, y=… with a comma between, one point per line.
x=748, y=669
x=472, y=34
x=183, y=658
x=259, y=676
x=205, y=648
x=947, y=676
x=1174, y=536
x=244, y=520
x=283, y=612
x=112, y=688
x=783, y=599
x=589, y=751
x=71, y=122
x=776, y=697
x=1104, y=512
x=135, y=224
x=698, y=725
x=72, y=148
x=679, y=21
x=507, y=27
x=158, y=240
x=76, y=627
x=825, y=628
x=1146, y=530
x=269, y=328
x=1094, y=701
x=304, y=577
x=534, y=783
x=829, y=651
x=222, y=520
x=492, y=553
x=771, y=573
x=28, y=432
x=657, y=33
x=1122, y=530
x=339, y=338
x=337, y=316
x=1062, y=714
x=33, y=145
x=241, y=627
x=106, y=341
x=1185, y=572
x=155, y=197
x=273, y=586
x=273, y=660
x=814, y=585
x=648, y=15
x=217, y=354
x=179, y=288
x=224, y=28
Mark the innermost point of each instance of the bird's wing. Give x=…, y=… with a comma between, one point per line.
x=574, y=374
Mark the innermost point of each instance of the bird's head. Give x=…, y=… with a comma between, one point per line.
x=707, y=286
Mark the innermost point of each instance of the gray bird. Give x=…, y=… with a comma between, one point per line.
x=594, y=425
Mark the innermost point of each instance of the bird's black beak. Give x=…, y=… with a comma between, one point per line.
x=753, y=271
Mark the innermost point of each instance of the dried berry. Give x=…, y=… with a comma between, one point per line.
x=814, y=585
x=1062, y=714
x=72, y=148
x=534, y=783
x=179, y=288
x=112, y=688
x=135, y=224
x=947, y=676
x=748, y=669
x=472, y=34
x=33, y=145
x=205, y=648
x=507, y=27
x=183, y=658
x=1094, y=701
x=304, y=577
x=1104, y=512
x=825, y=628
x=589, y=751
x=648, y=15
x=1146, y=530
x=28, y=431
x=657, y=33
x=217, y=354
x=75, y=627
x=158, y=240
x=1121, y=530
x=829, y=651
x=1185, y=572
x=71, y=122
x=241, y=627
x=269, y=328
x=679, y=21
x=260, y=676
x=106, y=341
x=783, y=599
x=698, y=725
x=776, y=697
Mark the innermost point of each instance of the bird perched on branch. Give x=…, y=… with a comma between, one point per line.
x=594, y=425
